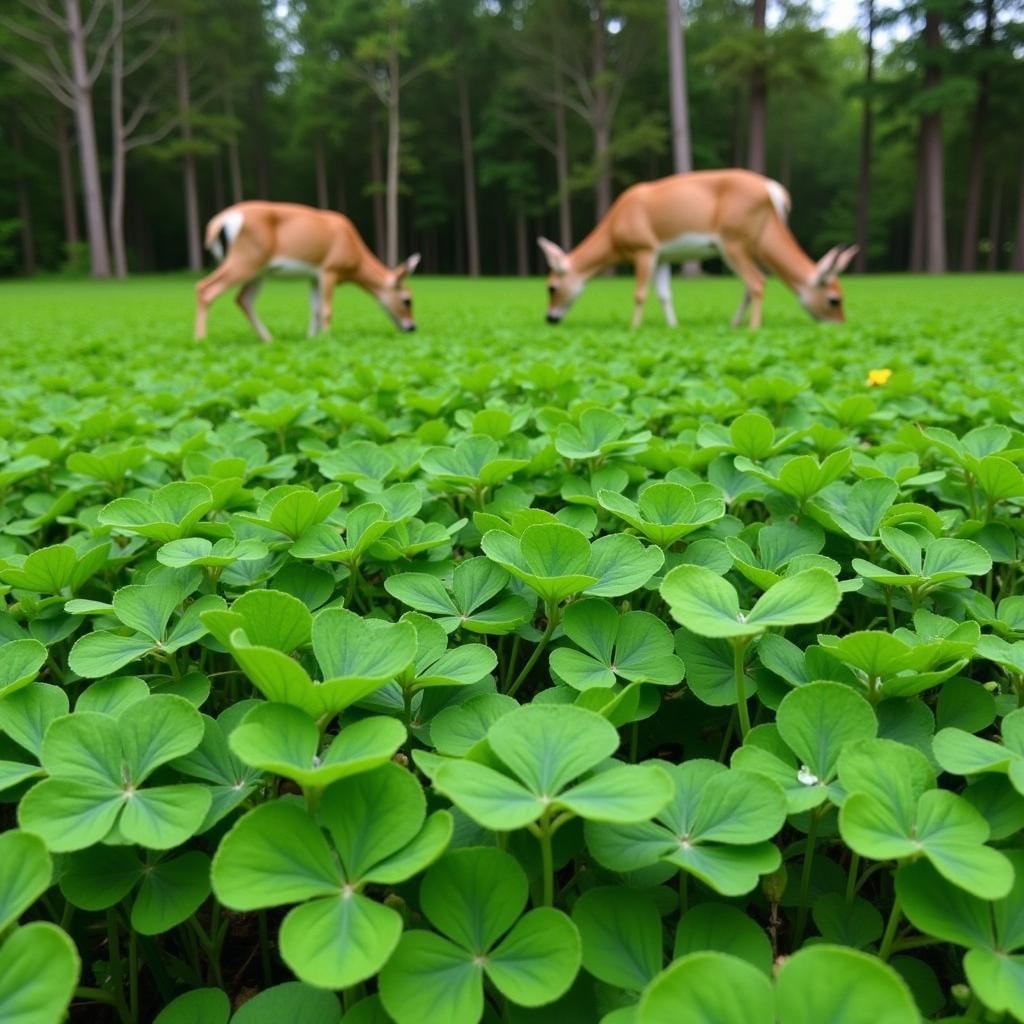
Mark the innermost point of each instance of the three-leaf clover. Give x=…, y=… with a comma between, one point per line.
x=474, y=897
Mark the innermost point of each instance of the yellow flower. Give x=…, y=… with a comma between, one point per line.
x=876, y=378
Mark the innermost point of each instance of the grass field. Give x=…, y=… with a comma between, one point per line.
x=512, y=673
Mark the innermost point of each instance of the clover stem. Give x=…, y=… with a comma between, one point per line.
x=264, y=948
x=888, y=608
x=512, y=659
x=851, y=878
x=350, y=594
x=738, y=650
x=890, y=929
x=133, y=974
x=552, y=613
x=312, y=794
x=547, y=862
x=805, y=878
x=727, y=738
x=116, y=966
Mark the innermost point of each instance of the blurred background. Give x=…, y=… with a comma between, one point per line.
x=464, y=128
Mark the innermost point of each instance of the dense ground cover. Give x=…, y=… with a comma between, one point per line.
x=408, y=666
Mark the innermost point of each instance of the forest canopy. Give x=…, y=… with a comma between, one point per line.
x=464, y=129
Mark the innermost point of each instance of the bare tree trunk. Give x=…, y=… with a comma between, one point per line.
x=25, y=225
x=995, y=223
x=394, y=154
x=562, y=156
x=976, y=175
x=917, y=231
x=341, y=194
x=234, y=158
x=682, y=155
x=601, y=113
x=377, y=176
x=219, y=195
x=320, y=157
x=195, y=252
x=69, y=200
x=522, y=249
x=934, y=173
x=1018, y=246
x=88, y=156
x=469, y=178
x=866, y=145
x=758, y=98
x=117, y=143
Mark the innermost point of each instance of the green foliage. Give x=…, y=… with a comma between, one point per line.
x=519, y=695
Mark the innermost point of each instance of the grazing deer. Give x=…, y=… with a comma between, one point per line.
x=255, y=238
x=736, y=214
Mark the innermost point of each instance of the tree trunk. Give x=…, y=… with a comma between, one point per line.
x=866, y=146
x=976, y=175
x=25, y=225
x=88, y=156
x=681, y=151
x=522, y=249
x=377, y=176
x=601, y=123
x=562, y=157
x=1018, y=246
x=195, y=252
x=934, y=174
x=321, y=173
x=394, y=153
x=995, y=223
x=234, y=158
x=219, y=196
x=758, y=96
x=117, y=246
x=917, y=231
x=469, y=178
x=69, y=200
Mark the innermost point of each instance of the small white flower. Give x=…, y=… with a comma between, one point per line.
x=806, y=776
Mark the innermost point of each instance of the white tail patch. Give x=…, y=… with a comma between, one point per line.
x=230, y=226
x=780, y=198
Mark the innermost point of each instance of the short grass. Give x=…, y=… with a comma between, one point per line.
x=888, y=315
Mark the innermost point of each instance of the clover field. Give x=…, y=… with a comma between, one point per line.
x=512, y=673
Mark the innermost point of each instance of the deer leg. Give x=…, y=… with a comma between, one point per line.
x=644, y=264
x=245, y=299
x=315, y=311
x=746, y=267
x=663, y=285
x=207, y=290
x=327, y=283
x=737, y=320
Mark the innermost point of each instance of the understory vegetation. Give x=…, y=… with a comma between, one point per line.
x=512, y=673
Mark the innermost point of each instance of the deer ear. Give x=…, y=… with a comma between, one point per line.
x=403, y=270
x=556, y=256
x=844, y=258
x=825, y=267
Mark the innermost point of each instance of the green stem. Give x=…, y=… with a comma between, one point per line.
x=739, y=648
x=537, y=651
x=805, y=880
x=133, y=974
x=116, y=967
x=851, y=878
x=264, y=948
x=890, y=929
x=888, y=609
x=510, y=665
x=547, y=862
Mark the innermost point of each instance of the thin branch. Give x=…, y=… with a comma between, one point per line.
x=94, y=17
x=151, y=138
x=45, y=11
x=524, y=126
x=147, y=55
x=104, y=51
x=48, y=82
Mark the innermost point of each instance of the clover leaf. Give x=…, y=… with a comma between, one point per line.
x=474, y=897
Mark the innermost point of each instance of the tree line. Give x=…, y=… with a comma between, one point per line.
x=464, y=128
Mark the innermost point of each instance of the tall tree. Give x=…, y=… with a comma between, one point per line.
x=979, y=131
x=866, y=140
x=682, y=153
x=757, y=133
x=45, y=30
x=1018, y=245
x=933, y=210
